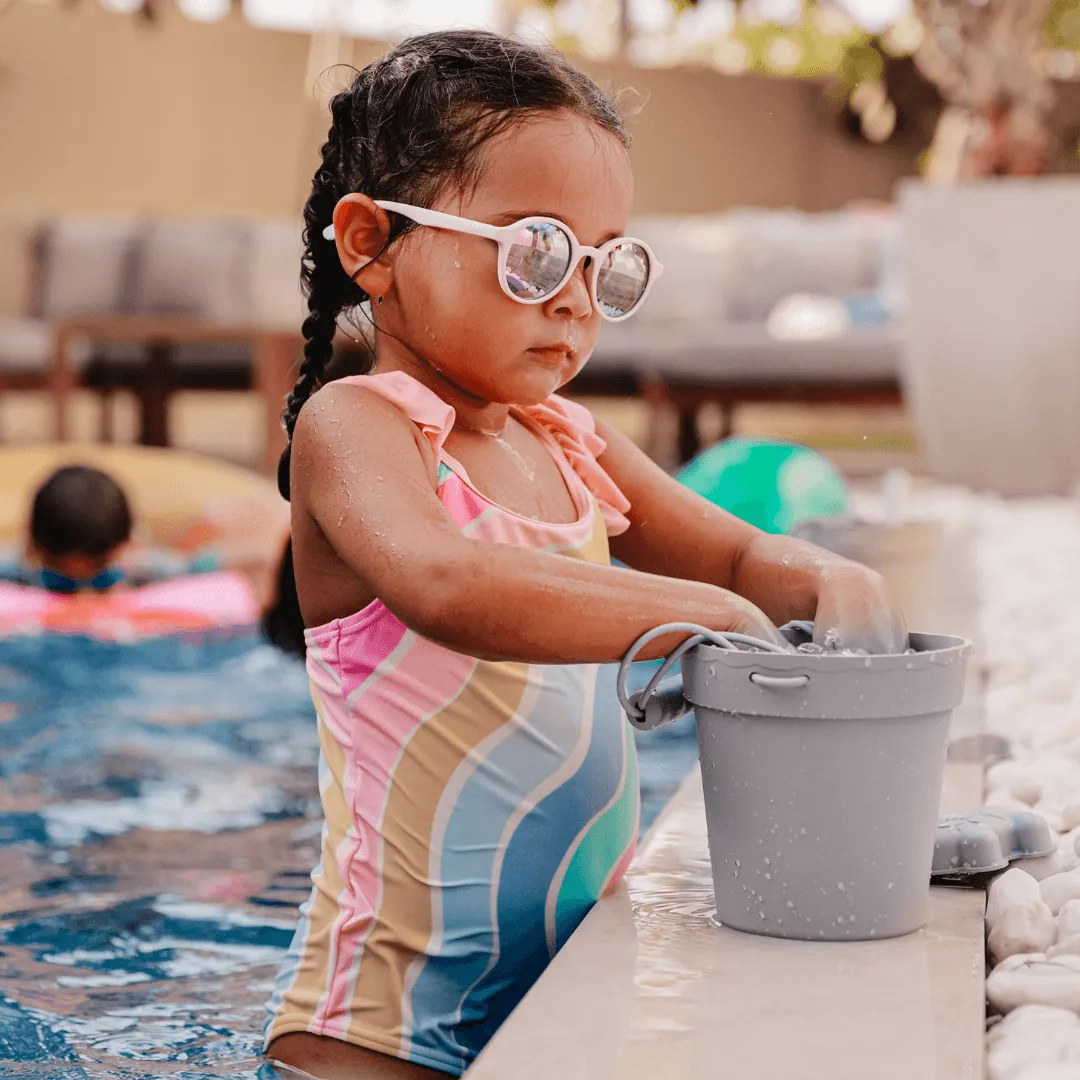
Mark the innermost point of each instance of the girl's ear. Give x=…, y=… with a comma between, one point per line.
x=362, y=229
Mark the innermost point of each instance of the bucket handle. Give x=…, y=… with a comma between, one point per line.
x=658, y=705
x=779, y=682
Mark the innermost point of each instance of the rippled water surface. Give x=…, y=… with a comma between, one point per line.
x=159, y=817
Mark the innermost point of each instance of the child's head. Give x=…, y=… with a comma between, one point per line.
x=79, y=521
x=482, y=127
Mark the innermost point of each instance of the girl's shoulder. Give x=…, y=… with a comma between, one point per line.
x=370, y=403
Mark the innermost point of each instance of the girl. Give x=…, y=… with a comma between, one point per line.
x=450, y=528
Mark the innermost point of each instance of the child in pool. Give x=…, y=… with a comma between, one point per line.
x=79, y=540
x=80, y=525
x=451, y=518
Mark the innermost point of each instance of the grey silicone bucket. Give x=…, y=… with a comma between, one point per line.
x=822, y=777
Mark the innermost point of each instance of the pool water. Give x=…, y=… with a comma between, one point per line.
x=159, y=818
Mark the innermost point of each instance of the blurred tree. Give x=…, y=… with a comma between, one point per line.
x=991, y=62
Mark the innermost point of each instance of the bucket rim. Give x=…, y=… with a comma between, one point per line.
x=945, y=649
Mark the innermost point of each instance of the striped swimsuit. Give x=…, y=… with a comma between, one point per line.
x=474, y=810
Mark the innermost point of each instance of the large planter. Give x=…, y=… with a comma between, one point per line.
x=992, y=364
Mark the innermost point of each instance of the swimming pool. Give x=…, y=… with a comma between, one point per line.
x=159, y=818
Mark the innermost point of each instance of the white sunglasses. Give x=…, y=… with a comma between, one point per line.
x=538, y=256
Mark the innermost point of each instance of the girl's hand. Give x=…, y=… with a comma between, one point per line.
x=745, y=618
x=856, y=609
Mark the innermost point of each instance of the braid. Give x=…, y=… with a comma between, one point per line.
x=329, y=289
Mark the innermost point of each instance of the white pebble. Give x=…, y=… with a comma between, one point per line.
x=1070, y=814
x=1048, y=865
x=1022, y=928
x=1068, y=922
x=1033, y=979
x=1069, y=946
x=1027, y=788
x=1008, y=890
x=1003, y=774
x=1052, y=814
x=1066, y=853
x=1051, y=1070
x=1003, y=799
x=1059, y=889
x=1029, y=1036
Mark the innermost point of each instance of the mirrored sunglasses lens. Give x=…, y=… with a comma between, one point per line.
x=537, y=261
x=621, y=280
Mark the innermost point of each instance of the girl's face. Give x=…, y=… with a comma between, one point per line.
x=447, y=306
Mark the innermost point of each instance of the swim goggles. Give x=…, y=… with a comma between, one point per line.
x=61, y=583
x=538, y=256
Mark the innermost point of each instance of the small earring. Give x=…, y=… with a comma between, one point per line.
x=378, y=300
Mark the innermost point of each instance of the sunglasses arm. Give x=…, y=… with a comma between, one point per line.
x=435, y=219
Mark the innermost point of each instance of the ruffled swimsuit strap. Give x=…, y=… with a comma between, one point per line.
x=422, y=406
x=573, y=429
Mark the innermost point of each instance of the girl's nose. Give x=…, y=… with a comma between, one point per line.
x=573, y=299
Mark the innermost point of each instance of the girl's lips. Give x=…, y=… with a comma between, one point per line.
x=555, y=354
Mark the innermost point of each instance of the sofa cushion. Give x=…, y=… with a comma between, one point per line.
x=777, y=253
x=276, y=300
x=85, y=267
x=696, y=253
x=197, y=268
x=26, y=345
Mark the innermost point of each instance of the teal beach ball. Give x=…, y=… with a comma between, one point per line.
x=771, y=484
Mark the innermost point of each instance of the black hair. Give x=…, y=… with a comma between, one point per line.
x=282, y=623
x=82, y=511
x=410, y=127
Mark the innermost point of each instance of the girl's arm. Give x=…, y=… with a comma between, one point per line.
x=678, y=533
x=365, y=478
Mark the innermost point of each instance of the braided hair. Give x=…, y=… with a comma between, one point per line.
x=410, y=127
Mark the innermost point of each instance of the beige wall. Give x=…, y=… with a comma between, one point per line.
x=102, y=114
x=99, y=113
x=706, y=142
